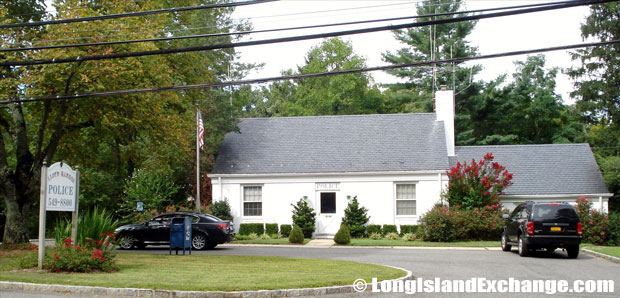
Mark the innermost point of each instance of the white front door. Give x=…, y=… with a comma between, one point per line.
x=329, y=213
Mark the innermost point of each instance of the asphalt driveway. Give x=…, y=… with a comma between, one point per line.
x=447, y=264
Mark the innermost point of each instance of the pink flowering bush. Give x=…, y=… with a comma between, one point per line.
x=597, y=227
x=443, y=224
x=477, y=184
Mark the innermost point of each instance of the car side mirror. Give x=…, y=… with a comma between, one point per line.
x=505, y=216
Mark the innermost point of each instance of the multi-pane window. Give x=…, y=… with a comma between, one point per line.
x=405, y=199
x=252, y=201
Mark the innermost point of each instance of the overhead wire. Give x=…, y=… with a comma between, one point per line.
x=304, y=76
x=132, y=14
x=271, y=30
x=301, y=37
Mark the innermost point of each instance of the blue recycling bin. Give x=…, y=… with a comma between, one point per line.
x=181, y=234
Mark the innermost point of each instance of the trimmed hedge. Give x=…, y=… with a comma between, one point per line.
x=405, y=229
x=249, y=228
x=373, y=229
x=271, y=229
x=285, y=230
x=389, y=229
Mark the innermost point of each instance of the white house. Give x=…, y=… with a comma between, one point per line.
x=394, y=163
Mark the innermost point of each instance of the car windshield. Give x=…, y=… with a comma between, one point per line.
x=554, y=211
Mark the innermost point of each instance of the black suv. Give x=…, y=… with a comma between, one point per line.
x=543, y=225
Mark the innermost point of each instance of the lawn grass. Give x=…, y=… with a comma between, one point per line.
x=267, y=241
x=384, y=242
x=608, y=250
x=210, y=273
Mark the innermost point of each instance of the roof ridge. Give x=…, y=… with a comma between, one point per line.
x=338, y=116
x=525, y=145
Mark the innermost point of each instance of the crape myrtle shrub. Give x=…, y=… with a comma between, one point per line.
x=443, y=224
x=598, y=228
x=477, y=184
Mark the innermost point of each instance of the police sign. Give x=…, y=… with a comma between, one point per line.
x=61, y=189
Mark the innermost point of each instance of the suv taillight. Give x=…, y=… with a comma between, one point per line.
x=222, y=226
x=530, y=228
x=579, y=228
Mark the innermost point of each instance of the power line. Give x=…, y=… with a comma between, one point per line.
x=306, y=76
x=302, y=37
x=133, y=14
x=274, y=30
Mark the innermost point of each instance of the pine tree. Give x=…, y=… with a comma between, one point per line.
x=304, y=217
x=356, y=218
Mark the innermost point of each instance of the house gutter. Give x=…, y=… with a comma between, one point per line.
x=328, y=174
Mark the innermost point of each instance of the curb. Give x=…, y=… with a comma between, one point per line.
x=350, y=246
x=601, y=255
x=136, y=292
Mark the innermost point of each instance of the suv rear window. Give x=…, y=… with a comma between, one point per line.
x=554, y=211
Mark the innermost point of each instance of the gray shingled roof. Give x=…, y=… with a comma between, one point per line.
x=543, y=169
x=361, y=143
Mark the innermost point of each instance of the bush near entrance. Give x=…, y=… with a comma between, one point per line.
x=355, y=218
x=296, y=236
x=343, y=236
x=304, y=217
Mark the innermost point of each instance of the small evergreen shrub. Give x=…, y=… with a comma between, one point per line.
x=249, y=228
x=392, y=236
x=285, y=230
x=242, y=237
x=375, y=236
x=296, y=236
x=271, y=229
x=410, y=237
x=343, y=236
x=389, y=229
x=253, y=236
x=304, y=217
x=373, y=229
x=221, y=210
x=356, y=218
x=408, y=229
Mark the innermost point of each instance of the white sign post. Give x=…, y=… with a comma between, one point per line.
x=60, y=186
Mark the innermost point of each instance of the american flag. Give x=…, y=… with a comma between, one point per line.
x=201, y=131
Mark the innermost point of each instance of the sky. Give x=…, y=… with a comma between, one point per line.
x=496, y=35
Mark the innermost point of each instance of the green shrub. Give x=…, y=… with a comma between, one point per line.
x=296, y=236
x=375, y=236
x=597, y=227
x=343, y=236
x=264, y=237
x=373, y=229
x=271, y=229
x=443, y=224
x=221, y=210
x=304, y=217
x=248, y=228
x=285, y=230
x=408, y=229
x=356, y=218
x=614, y=229
x=389, y=229
x=410, y=237
x=153, y=187
x=91, y=224
x=242, y=237
x=253, y=236
x=392, y=236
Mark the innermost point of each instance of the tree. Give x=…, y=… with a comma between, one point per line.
x=477, y=184
x=355, y=218
x=347, y=94
x=304, y=217
x=107, y=137
x=221, y=210
x=428, y=43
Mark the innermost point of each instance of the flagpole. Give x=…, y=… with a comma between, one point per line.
x=197, y=200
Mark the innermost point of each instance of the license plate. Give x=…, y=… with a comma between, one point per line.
x=556, y=229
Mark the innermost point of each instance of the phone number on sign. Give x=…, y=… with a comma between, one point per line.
x=56, y=202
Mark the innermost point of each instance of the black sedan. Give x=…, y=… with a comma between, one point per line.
x=207, y=231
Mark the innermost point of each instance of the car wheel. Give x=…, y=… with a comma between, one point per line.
x=573, y=251
x=199, y=241
x=523, y=250
x=505, y=245
x=127, y=242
